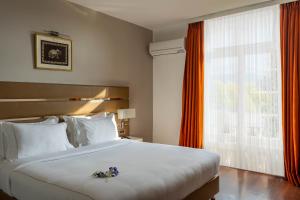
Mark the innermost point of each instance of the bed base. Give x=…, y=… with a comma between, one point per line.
x=206, y=192
x=4, y=196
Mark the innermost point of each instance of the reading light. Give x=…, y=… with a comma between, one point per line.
x=125, y=114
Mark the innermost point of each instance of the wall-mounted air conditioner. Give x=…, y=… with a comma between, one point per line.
x=167, y=47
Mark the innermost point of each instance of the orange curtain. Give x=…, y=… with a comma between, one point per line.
x=290, y=61
x=191, y=131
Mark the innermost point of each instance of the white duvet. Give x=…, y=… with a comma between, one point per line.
x=147, y=171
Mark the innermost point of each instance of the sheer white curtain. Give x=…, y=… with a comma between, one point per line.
x=243, y=90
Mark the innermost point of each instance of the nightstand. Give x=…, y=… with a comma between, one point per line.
x=133, y=138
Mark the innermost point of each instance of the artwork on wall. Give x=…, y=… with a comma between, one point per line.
x=53, y=52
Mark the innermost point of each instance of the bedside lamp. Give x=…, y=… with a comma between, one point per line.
x=125, y=114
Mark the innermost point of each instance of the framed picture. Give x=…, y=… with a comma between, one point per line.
x=53, y=53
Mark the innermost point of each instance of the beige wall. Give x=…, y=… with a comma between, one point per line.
x=106, y=51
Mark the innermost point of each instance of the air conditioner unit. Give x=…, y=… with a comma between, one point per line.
x=167, y=47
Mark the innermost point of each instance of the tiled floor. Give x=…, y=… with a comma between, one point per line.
x=244, y=185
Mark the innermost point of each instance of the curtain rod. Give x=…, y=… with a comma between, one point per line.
x=232, y=11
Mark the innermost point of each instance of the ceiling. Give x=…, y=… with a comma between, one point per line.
x=153, y=14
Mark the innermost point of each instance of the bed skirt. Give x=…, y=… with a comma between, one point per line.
x=206, y=192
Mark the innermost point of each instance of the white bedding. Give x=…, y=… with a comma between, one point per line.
x=147, y=171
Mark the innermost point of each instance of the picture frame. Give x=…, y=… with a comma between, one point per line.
x=53, y=52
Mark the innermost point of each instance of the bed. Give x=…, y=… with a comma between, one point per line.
x=147, y=171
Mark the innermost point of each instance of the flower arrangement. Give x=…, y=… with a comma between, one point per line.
x=112, y=172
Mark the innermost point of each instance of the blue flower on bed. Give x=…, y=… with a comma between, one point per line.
x=112, y=172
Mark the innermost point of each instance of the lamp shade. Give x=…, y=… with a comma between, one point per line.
x=126, y=113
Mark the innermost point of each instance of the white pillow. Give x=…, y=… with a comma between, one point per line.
x=37, y=139
x=97, y=130
x=73, y=129
x=7, y=138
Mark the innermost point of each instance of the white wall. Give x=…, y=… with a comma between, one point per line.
x=170, y=32
x=168, y=73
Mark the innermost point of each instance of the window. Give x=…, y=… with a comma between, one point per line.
x=243, y=90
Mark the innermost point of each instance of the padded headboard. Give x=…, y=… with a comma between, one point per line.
x=29, y=100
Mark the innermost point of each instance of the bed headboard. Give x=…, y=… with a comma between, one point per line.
x=30, y=100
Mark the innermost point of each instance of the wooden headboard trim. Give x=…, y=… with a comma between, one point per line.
x=25, y=100
x=18, y=90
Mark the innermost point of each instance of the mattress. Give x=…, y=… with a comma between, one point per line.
x=147, y=171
